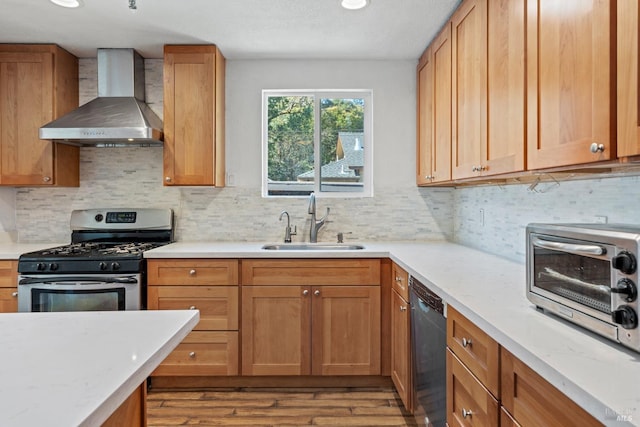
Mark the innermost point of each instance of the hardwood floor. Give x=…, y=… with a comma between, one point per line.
x=278, y=407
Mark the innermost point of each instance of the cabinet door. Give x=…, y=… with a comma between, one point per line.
x=8, y=286
x=193, y=115
x=424, y=129
x=401, y=348
x=469, y=59
x=441, y=148
x=628, y=78
x=533, y=402
x=8, y=300
x=346, y=330
x=506, y=87
x=26, y=85
x=276, y=330
x=569, y=86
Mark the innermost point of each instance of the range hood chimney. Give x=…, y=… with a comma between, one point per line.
x=119, y=115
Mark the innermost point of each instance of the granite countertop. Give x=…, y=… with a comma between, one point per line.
x=490, y=291
x=75, y=369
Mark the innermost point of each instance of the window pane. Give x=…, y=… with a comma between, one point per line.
x=341, y=144
x=290, y=130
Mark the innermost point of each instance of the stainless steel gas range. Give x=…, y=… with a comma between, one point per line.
x=103, y=267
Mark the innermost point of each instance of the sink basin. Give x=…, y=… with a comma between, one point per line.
x=312, y=247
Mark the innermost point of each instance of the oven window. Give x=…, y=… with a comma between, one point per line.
x=44, y=300
x=581, y=279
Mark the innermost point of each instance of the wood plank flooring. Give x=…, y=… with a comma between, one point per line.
x=278, y=407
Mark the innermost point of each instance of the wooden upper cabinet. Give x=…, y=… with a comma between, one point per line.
x=194, y=115
x=569, y=82
x=38, y=83
x=469, y=61
x=506, y=98
x=628, y=79
x=424, y=129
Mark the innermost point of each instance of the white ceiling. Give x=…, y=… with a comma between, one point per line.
x=243, y=29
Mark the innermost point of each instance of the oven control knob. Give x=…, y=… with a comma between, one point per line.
x=103, y=266
x=626, y=287
x=624, y=262
x=41, y=266
x=53, y=266
x=115, y=266
x=625, y=316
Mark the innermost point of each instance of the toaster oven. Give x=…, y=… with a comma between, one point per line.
x=587, y=274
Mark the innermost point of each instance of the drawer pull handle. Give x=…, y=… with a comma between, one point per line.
x=316, y=292
x=403, y=308
x=466, y=342
x=466, y=414
x=305, y=292
x=193, y=307
x=398, y=279
x=14, y=294
x=192, y=272
x=192, y=355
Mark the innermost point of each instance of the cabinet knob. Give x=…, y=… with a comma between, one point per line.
x=596, y=148
x=14, y=294
x=466, y=413
x=167, y=178
x=305, y=292
x=466, y=342
x=316, y=292
x=193, y=307
x=46, y=178
x=192, y=272
x=192, y=355
x=429, y=177
x=403, y=308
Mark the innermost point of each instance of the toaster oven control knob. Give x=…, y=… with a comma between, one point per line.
x=626, y=287
x=624, y=262
x=115, y=266
x=625, y=316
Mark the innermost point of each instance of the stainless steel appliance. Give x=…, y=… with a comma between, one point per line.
x=103, y=267
x=587, y=274
x=428, y=355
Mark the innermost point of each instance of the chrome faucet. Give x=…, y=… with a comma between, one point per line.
x=287, y=231
x=315, y=224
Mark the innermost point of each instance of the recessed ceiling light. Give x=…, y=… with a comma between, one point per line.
x=67, y=3
x=354, y=4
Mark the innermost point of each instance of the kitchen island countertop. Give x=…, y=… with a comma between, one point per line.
x=599, y=375
x=75, y=369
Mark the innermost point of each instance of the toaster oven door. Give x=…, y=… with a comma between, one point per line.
x=575, y=273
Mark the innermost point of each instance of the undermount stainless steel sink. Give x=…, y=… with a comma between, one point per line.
x=312, y=247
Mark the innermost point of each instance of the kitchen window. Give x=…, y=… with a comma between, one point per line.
x=317, y=141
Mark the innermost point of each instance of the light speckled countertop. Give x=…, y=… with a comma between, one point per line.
x=599, y=375
x=75, y=369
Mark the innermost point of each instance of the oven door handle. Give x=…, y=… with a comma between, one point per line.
x=37, y=280
x=571, y=248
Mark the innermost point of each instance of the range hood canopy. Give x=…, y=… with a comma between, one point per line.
x=119, y=115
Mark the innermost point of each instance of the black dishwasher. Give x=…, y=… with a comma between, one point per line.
x=428, y=355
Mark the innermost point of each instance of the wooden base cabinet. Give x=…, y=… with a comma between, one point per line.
x=210, y=286
x=292, y=325
x=8, y=286
x=401, y=336
x=38, y=83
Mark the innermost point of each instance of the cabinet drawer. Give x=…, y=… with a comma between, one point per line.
x=311, y=272
x=193, y=272
x=532, y=401
x=9, y=300
x=8, y=274
x=469, y=403
x=400, y=281
x=202, y=353
x=477, y=350
x=218, y=305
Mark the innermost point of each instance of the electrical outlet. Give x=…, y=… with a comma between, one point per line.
x=601, y=219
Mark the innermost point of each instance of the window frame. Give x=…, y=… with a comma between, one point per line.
x=317, y=94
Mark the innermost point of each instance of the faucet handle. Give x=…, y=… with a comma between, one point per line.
x=341, y=234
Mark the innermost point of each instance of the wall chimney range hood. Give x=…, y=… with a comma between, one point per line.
x=118, y=116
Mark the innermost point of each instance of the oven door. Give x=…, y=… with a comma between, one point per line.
x=45, y=293
x=573, y=272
